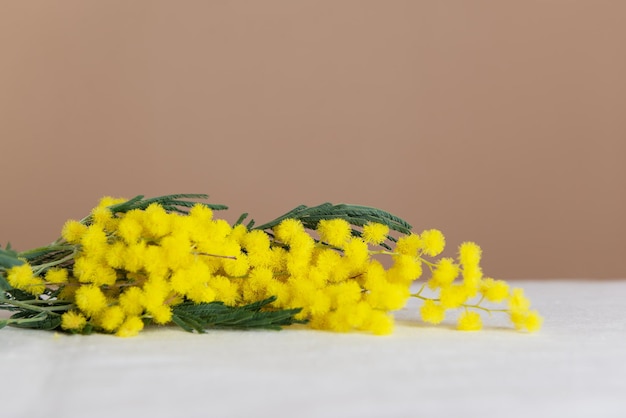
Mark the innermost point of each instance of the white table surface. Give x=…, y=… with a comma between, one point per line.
x=574, y=367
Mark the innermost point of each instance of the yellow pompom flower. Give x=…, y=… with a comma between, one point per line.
x=90, y=270
x=238, y=267
x=338, y=321
x=94, y=241
x=90, y=299
x=84, y=268
x=433, y=242
x=73, y=231
x=320, y=305
x=327, y=260
x=73, y=321
x=131, y=301
x=225, y=290
x=201, y=213
x=135, y=257
x=257, y=282
x=201, y=293
x=156, y=221
x=161, y=314
x=335, y=232
x=375, y=275
x=107, y=201
x=409, y=245
x=469, y=254
x=183, y=279
x=101, y=215
x=155, y=292
x=342, y=271
x=239, y=233
x=114, y=256
x=390, y=297
x=530, y=320
x=432, y=312
x=494, y=290
x=358, y=315
x=343, y=294
x=130, y=327
x=129, y=228
x=444, y=274
x=22, y=277
x=356, y=253
x=104, y=276
x=155, y=263
x=56, y=276
x=380, y=323
x=453, y=296
x=298, y=265
x=67, y=293
x=303, y=292
x=257, y=245
x=218, y=230
x=111, y=318
x=472, y=276
x=518, y=303
x=177, y=250
x=287, y=229
x=405, y=269
x=469, y=321
x=255, y=241
x=533, y=321
x=375, y=233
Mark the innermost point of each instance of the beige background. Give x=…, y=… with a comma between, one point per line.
x=496, y=121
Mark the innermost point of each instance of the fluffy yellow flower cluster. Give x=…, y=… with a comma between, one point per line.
x=455, y=293
x=137, y=266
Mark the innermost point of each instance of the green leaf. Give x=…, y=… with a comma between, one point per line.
x=20, y=295
x=241, y=218
x=35, y=320
x=188, y=322
x=170, y=203
x=4, y=284
x=8, y=258
x=291, y=214
x=356, y=215
x=199, y=317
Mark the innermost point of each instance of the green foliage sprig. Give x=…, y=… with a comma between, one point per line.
x=215, y=315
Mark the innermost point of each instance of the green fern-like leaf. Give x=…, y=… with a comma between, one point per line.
x=172, y=203
x=199, y=317
x=355, y=215
x=35, y=320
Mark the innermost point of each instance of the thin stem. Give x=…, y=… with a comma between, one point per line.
x=419, y=292
x=34, y=307
x=36, y=301
x=428, y=263
x=42, y=267
x=465, y=305
x=48, y=248
x=484, y=309
x=383, y=252
x=417, y=295
x=35, y=318
x=230, y=257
